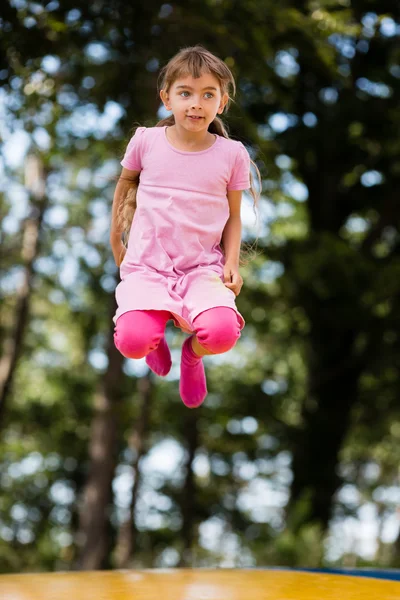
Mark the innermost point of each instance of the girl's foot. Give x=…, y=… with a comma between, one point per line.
x=192, y=384
x=159, y=360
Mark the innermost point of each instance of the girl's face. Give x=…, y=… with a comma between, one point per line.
x=195, y=102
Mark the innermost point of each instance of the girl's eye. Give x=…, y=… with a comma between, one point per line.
x=209, y=93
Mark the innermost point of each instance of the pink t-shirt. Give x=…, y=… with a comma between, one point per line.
x=226, y=160
x=182, y=209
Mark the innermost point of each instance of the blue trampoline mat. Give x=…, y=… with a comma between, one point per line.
x=392, y=574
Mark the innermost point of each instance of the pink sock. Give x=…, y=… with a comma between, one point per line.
x=192, y=384
x=159, y=360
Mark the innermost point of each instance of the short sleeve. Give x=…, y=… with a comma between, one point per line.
x=240, y=176
x=134, y=151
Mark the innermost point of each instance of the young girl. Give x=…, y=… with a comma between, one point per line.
x=182, y=258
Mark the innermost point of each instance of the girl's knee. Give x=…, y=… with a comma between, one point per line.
x=131, y=345
x=217, y=329
x=137, y=333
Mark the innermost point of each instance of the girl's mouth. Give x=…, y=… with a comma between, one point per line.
x=194, y=118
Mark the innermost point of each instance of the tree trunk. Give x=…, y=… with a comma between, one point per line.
x=94, y=513
x=126, y=542
x=326, y=417
x=188, y=502
x=35, y=179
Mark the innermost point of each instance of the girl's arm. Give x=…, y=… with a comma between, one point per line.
x=232, y=234
x=126, y=181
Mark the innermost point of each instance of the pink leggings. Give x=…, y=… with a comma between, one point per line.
x=138, y=332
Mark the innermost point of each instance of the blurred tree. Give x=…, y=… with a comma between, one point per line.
x=126, y=546
x=94, y=512
x=13, y=343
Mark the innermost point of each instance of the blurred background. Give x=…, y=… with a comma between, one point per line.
x=294, y=457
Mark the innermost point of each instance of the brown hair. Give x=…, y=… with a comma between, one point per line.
x=194, y=61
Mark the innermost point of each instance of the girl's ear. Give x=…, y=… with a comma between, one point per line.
x=165, y=99
x=224, y=100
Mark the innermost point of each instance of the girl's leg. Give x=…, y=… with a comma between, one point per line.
x=217, y=331
x=140, y=333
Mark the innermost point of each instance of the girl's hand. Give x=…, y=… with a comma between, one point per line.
x=232, y=278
